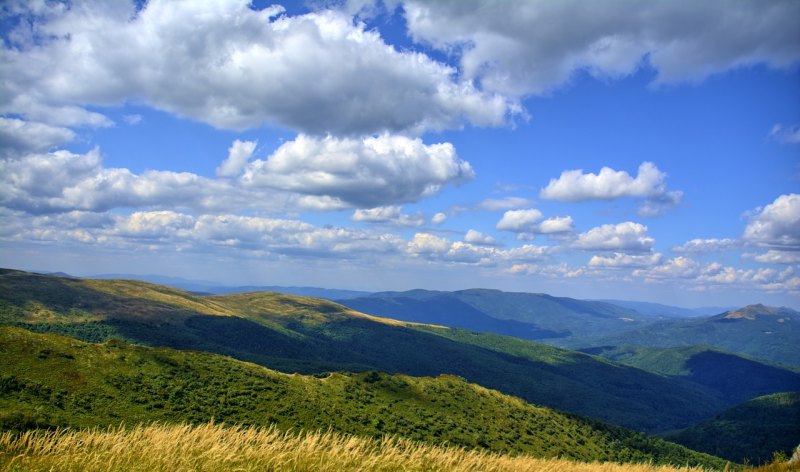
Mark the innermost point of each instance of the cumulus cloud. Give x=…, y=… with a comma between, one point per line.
x=424, y=243
x=513, y=48
x=438, y=218
x=706, y=246
x=64, y=181
x=154, y=224
x=527, y=253
x=479, y=239
x=789, y=134
x=527, y=224
x=232, y=66
x=557, y=224
x=622, y=260
x=365, y=173
x=608, y=184
x=238, y=155
x=307, y=173
x=773, y=256
x=20, y=136
x=267, y=237
x=549, y=270
x=506, y=203
x=434, y=248
x=391, y=214
x=678, y=267
x=520, y=221
x=692, y=275
x=624, y=237
x=777, y=225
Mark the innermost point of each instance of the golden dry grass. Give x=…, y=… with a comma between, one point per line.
x=213, y=447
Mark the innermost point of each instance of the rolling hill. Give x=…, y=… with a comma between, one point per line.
x=53, y=380
x=733, y=377
x=756, y=330
x=526, y=315
x=209, y=287
x=296, y=334
x=751, y=431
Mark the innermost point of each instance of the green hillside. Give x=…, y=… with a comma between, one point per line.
x=730, y=376
x=52, y=380
x=759, y=331
x=753, y=430
x=296, y=334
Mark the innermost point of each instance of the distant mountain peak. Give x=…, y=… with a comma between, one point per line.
x=751, y=312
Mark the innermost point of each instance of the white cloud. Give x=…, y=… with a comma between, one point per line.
x=789, y=134
x=517, y=49
x=576, y=186
x=557, y=224
x=777, y=225
x=506, y=203
x=555, y=271
x=623, y=237
x=424, y=243
x=232, y=66
x=307, y=173
x=63, y=181
x=527, y=224
x=520, y=221
x=207, y=234
x=364, y=173
x=527, y=253
x=439, y=218
x=619, y=259
x=238, y=155
x=479, y=239
x=438, y=249
x=705, y=246
x=678, y=267
x=773, y=256
x=686, y=272
x=389, y=214
x=154, y=224
x=20, y=136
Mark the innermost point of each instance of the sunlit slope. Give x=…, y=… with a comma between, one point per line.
x=297, y=334
x=57, y=380
x=216, y=447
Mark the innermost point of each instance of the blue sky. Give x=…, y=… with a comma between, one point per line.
x=621, y=149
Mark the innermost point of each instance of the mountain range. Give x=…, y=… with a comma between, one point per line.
x=763, y=332
x=644, y=387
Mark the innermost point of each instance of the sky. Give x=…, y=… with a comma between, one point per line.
x=640, y=150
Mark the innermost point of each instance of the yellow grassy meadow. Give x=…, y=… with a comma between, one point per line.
x=212, y=447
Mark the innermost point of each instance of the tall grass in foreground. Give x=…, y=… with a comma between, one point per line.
x=213, y=447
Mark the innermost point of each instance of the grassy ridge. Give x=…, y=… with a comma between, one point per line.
x=304, y=335
x=50, y=380
x=213, y=447
x=752, y=431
